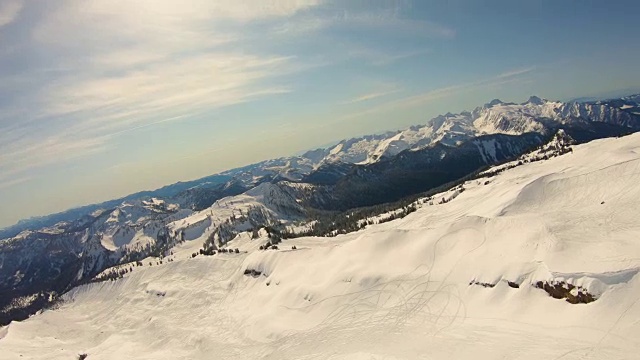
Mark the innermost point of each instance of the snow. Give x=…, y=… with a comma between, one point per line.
x=487, y=150
x=336, y=149
x=398, y=290
x=390, y=147
x=129, y=237
x=355, y=150
x=450, y=129
x=495, y=117
x=135, y=224
x=292, y=168
x=266, y=198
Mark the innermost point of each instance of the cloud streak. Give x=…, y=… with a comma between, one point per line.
x=516, y=72
x=370, y=96
x=380, y=58
x=511, y=76
x=9, y=11
x=387, y=20
x=116, y=66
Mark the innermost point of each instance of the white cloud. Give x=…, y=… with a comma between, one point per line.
x=215, y=79
x=146, y=19
x=371, y=96
x=511, y=76
x=9, y=11
x=116, y=65
x=385, y=19
x=516, y=72
x=391, y=19
x=22, y=155
x=13, y=181
x=381, y=58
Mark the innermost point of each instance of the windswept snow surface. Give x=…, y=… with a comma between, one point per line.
x=398, y=290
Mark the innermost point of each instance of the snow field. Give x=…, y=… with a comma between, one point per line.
x=398, y=290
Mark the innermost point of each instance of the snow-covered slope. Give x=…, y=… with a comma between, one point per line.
x=290, y=168
x=134, y=224
x=50, y=260
x=266, y=204
x=469, y=278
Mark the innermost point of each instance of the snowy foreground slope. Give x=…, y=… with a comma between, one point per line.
x=451, y=281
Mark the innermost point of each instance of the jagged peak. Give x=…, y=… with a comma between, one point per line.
x=535, y=100
x=315, y=155
x=561, y=136
x=263, y=189
x=494, y=102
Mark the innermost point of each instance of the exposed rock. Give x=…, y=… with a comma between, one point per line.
x=562, y=290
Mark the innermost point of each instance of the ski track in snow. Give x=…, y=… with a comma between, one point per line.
x=398, y=290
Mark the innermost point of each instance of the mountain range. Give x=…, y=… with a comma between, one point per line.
x=42, y=258
x=496, y=117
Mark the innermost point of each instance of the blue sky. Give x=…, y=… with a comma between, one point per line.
x=103, y=98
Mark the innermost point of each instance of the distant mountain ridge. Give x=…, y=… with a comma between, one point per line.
x=496, y=117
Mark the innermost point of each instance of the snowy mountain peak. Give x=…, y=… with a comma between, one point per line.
x=264, y=190
x=494, y=102
x=275, y=198
x=563, y=138
x=496, y=117
x=316, y=155
x=536, y=100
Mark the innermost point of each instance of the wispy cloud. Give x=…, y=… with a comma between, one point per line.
x=117, y=66
x=382, y=58
x=21, y=156
x=386, y=20
x=501, y=79
x=370, y=96
x=516, y=72
x=13, y=181
x=511, y=76
x=75, y=75
x=391, y=18
x=9, y=11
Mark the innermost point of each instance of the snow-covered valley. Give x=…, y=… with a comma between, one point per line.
x=469, y=278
